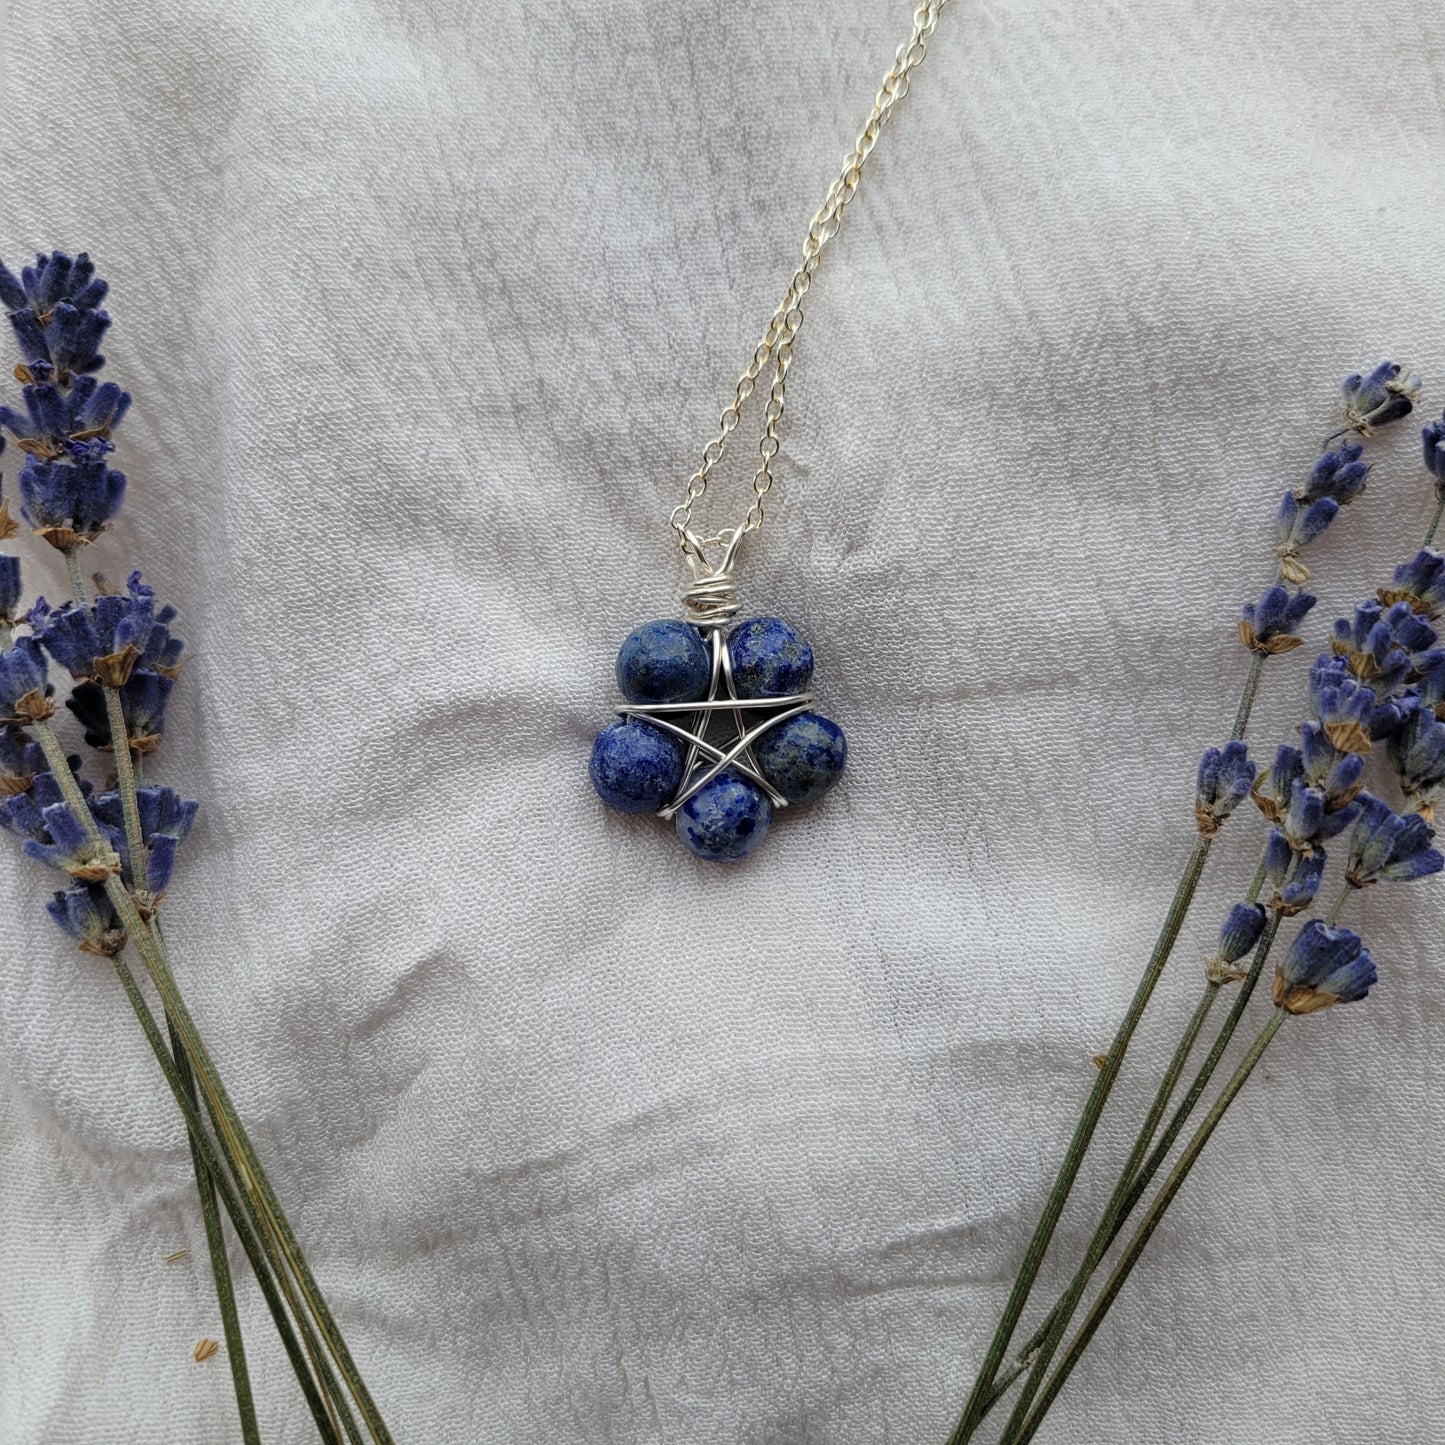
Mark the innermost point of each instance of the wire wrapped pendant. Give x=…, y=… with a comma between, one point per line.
x=678, y=680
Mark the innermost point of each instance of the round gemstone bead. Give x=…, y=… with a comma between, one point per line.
x=803, y=757
x=635, y=768
x=769, y=659
x=664, y=661
x=725, y=820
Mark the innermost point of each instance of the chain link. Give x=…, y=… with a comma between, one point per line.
x=776, y=345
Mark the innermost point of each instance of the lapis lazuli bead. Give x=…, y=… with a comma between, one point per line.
x=803, y=757
x=725, y=819
x=634, y=767
x=769, y=659
x=664, y=661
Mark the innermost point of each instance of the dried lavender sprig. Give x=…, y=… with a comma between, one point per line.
x=133, y=873
x=1325, y=966
x=1247, y=927
x=202, y=1143
x=1387, y=651
x=1146, y=1228
x=231, y=1133
x=1323, y=781
x=69, y=495
x=1306, y=513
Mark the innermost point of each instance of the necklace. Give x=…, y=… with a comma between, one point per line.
x=679, y=677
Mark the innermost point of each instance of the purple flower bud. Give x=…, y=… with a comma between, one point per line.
x=86, y=914
x=1323, y=967
x=1238, y=934
x=1339, y=475
x=1420, y=582
x=1433, y=437
x=1294, y=877
x=1417, y=754
x=1225, y=777
x=1385, y=395
x=1387, y=846
x=143, y=700
x=24, y=692
x=1269, y=625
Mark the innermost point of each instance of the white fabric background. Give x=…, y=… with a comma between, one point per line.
x=427, y=309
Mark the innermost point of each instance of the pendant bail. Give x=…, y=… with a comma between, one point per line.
x=712, y=601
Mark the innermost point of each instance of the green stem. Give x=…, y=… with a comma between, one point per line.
x=1083, y=1135
x=201, y=1143
x=1434, y=522
x=1146, y=1228
x=1147, y=1171
x=1206, y=1071
x=205, y=1185
x=250, y=1173
x=1113, y=1218
x=253, y=1174
x=1246, y=698
x=220, y=1263
x=1332, y=917
x=125, y=785
x=77, y=578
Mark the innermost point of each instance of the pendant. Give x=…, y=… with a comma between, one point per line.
x=681, y=678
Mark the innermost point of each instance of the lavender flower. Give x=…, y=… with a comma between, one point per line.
x=1417, y=754
x=52, y=279
x=108, y=639
x=1297, y=525
x=1433, y=436
x=68, y=503
x=1323, y=967
x=87, y=916
x=165, y=819
x=1387, y=394
x=1338, y=775
x=1238, y=934
x=1269, y=625
x=1420, y=582
x=1225, y=777
x=1380, y=645
x=54, y=311
x=1294, y=877
x=1339, y=475
x=24, y=692
x=68, y=492
x=57, y=422
x=68, y=845
x=1430, y=679
x=1345, y=709
x=1385, y=845
x=1272, y=791
x=17, y=769
x=143, y=702
x=1308, y=821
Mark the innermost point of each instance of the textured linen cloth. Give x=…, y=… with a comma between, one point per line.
x=428, y=309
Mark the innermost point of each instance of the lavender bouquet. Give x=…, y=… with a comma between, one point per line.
x=1376, y=700
x=114, y=843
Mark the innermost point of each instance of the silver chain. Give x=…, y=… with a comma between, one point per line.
x=782, y=331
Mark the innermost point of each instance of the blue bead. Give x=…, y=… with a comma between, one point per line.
x=664, y=661
x=634, y=767
x=769, y=659
x=725, y=820
x=803, y=757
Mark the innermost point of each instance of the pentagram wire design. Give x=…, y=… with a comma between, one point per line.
x=722, y=697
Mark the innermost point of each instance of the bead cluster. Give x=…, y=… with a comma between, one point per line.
x=675, y=679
